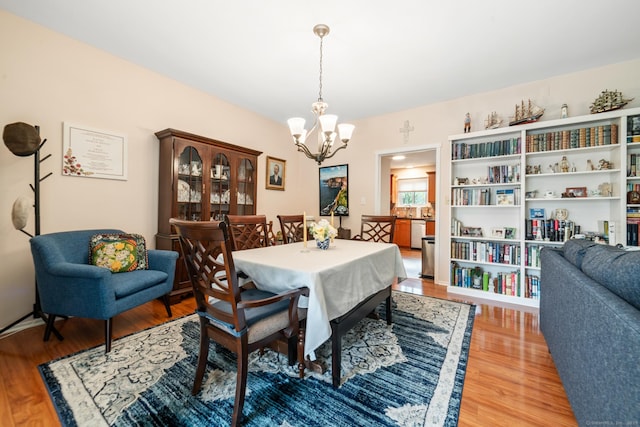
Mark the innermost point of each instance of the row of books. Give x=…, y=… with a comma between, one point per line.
x=532, y=286
x=463, y=150
x=505, y=283
x=633, y=186
x=483, y=196
x=532, y=256
x=575, y=138
x=633, y=164
x=553, y=230
x=481, y=251
x=633, y=225
x=503, y=174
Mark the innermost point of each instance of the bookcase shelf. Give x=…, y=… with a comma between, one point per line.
x=598, y=150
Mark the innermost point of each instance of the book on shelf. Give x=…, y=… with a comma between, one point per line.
x=607, y=229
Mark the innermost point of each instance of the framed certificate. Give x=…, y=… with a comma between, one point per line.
x=93, y=153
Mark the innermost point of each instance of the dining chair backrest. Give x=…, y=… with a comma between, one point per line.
x=292, y=227
x=248, y=231
x=377, y=228
x=207, y=251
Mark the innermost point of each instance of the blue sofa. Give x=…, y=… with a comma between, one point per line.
x=68, y=285
x=590, y=319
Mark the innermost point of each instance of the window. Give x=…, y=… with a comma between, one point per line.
x=413, y=191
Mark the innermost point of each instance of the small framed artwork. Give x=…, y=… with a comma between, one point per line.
x=537, y=213
x=472, y=231
x=509, y=233
x=276, y=169
x=497, y=232
x=576, y=191
x=334, y=190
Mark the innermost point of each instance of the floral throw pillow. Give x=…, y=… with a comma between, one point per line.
x=119, y=252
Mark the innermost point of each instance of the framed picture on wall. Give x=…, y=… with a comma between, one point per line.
x=334, y=194
x=275, y=173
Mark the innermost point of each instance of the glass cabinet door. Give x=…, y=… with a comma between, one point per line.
x=190, y=185
x=220, y=196
x=246, y=187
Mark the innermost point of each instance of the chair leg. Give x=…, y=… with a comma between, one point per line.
x=301, y=365
x=49, y=328
x=167, y=304
x=241, y=382
x=388, y=310
x=203, y=355
x=107, y=333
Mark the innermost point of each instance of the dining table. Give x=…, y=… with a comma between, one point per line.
x=351, y=274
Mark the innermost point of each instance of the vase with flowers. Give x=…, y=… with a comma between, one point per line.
x=323, y=233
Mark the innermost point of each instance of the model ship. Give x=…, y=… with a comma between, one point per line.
x=493, y=121
x=526, y=113
x=608, y=100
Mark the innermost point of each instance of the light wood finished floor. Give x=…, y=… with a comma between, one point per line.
x=510, y=381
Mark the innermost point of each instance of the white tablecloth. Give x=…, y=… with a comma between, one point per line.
x=338, y=278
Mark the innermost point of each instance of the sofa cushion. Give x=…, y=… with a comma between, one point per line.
x=616, y=269
x=118, y=252
x=574, y=250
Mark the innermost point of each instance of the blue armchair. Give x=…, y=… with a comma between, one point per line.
x=68, y=285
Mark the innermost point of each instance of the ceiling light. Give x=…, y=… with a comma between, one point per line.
x=325, y=124
x=398, y=157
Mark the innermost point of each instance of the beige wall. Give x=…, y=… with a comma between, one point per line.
x=47, y=79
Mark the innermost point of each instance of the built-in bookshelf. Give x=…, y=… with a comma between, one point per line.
x=516, y=190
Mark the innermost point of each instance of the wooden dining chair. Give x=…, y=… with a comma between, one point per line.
x=248, y=231
x=377, y=228
x=292, y=228
x=237, y=319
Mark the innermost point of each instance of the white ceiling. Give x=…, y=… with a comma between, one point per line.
x=381, y=56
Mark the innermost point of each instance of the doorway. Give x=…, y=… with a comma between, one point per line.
x=416, y=156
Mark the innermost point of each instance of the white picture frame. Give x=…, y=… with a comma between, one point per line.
x=94, y=153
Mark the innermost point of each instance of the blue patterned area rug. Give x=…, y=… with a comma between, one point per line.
x=408, y=374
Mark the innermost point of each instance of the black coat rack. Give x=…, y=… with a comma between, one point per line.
x=35, y=187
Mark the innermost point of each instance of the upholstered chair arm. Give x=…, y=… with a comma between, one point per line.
x=162, y=260
x=78, y=290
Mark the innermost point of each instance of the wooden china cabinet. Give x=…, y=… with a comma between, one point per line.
x=201, y=179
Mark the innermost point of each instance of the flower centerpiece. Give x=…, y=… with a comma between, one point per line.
x=323, y=233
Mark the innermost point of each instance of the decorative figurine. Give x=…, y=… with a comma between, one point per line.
x=467, y=123
x=564, y=111
x=604, y=164
x=564, y=164
x=590, y=166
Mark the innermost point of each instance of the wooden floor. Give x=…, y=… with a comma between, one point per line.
x=510, y=381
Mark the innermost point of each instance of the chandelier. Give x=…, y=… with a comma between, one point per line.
x=325, y=124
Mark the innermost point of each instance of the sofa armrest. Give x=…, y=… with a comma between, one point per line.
x=162, y=260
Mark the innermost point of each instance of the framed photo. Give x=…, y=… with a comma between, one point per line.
x=276, y=169
x=497, y=232
x=537, y=213
x=576, y=191
x=334, y=192
x=509, y=233
x=93, y=153
x=505, y=197
x=471, y=231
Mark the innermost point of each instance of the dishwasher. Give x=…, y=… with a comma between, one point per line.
x=418, y=227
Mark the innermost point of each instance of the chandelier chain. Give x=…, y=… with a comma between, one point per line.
x=320, y=91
